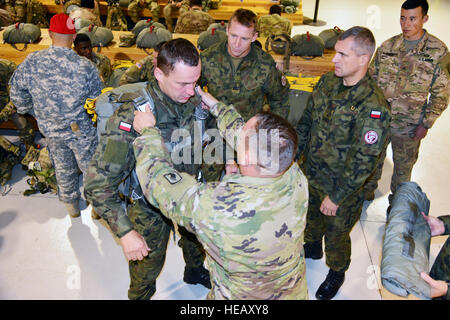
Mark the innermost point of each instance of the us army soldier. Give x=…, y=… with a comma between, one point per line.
x=407, y=69
x=273, y=23
x=136, y=6
x=342, y=133
x=194, y=21
x=143, y=231
x=251, y=223
x=55, y=83
x=180, y=6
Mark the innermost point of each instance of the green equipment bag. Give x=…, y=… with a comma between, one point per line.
x=406, y=243
x=300, y=89
x=210, y=37
x=100, y=36
x=21, y=33
x=152, y=36
x=222, y=26
x=40, y=170
x=330, y=37
x=143, y=24
x=307, y=45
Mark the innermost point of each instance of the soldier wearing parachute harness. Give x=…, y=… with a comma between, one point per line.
x=142, y=231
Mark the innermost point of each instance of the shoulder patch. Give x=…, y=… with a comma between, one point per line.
x=371, y=137
x=125, y=126
x=173, y=177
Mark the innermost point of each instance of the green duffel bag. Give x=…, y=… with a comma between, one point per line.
x=330, y=37
x=21, y=33
x=210, y=37
x=151, y=37
x=307, y=45
x=143, y=24
x=100, y=36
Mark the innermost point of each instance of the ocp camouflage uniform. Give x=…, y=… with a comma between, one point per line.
x=136, y=6
x=171, y=7
x=341, y=134
x=54, y=83
x=246, y=87
x=251, y=228
x=115, y=19
x=103, y=65
x=273, y=24
x=140, y=72
x=113, y=162
x=17, y=9
x=193, y=22
x=406, y=79
x=441, y=267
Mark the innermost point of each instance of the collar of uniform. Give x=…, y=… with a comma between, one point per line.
x=241, y=179
x=400, y=44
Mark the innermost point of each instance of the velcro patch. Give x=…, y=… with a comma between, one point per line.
x=371, y=137
x=125, y=126
x=173, y=177
x=375, y=114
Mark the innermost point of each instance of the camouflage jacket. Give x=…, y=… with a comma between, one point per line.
x=273, y=24
x=141, y=71
x=341, y=135
x=114, y=160
x=55, y=83
x=193, y=22
x=251, y=228
x=407, y=78
x=247, y=86
x=6, y=71
x=103, y=65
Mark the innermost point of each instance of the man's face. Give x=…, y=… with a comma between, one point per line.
x=84, y=49
x=346, y=61
x=411, y=22
x=240, y=39
x=179, y=84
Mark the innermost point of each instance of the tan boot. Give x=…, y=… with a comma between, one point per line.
x=73, y=209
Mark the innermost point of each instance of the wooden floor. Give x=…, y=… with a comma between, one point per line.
x=260, y=7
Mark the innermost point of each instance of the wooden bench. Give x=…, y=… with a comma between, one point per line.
x=260, y=7
x=313, y=67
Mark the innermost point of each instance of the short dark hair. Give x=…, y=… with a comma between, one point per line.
x=81, y=37
x=363, y=40
x=177, y=50
x=275, y=9
x=87, y=4
x=158, y=47
x=245, y=17
x=279, y=132
x=412, y=4
x=195, y=3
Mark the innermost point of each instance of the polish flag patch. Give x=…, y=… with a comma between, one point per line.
x=125, y=126
x=375, y=114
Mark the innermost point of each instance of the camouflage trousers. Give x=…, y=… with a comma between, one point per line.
x=155, y=228
x=335, y=229
x=68, y=157
x=405, y=152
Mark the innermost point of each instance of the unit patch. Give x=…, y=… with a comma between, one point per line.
x=371, y=137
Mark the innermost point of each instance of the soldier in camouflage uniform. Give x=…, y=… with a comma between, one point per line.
x=83, y=46
x=439, y=278
x=195, y=20
x=136, y=6
x=115, y=18
x=54, y=83
x=273, y=23
x=17, y=9
x=251, y=223
x=240, y=73
x=406, y=67
x=10, y=153
x=142, y=70
x=180, y=6
x=342, y=133
x=143, y=228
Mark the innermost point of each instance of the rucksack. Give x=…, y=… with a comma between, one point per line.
x=21, y=33
x=152, y=36
x=100, y=36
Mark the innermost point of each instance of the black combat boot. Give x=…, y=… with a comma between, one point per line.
x=331, y=285
x=197, y=276
x=313, y=250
